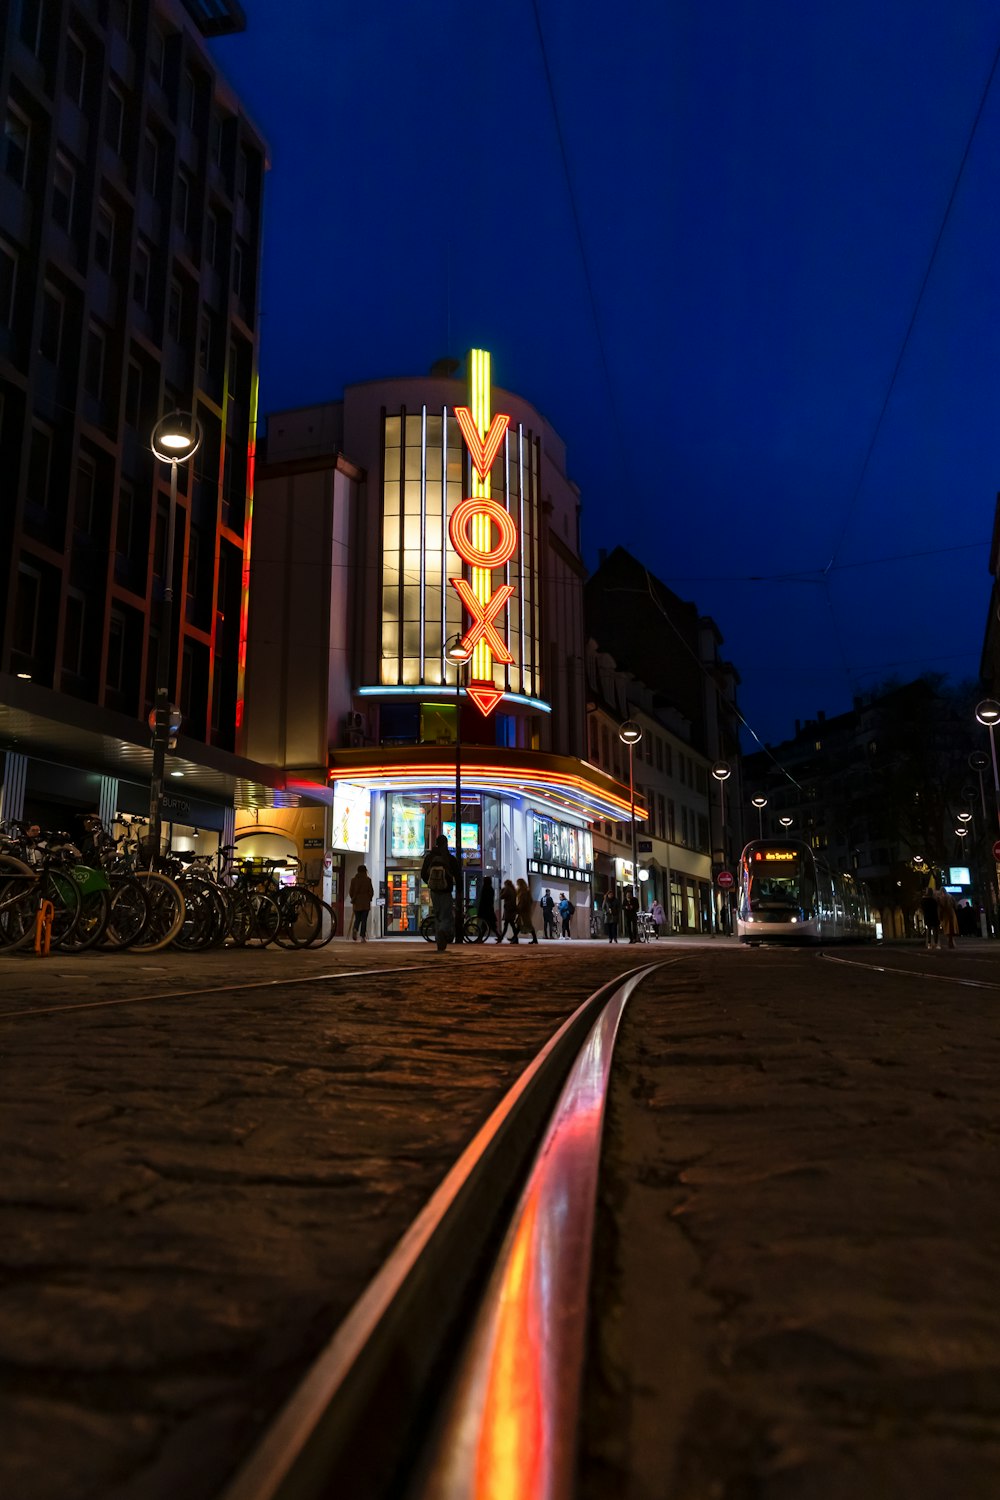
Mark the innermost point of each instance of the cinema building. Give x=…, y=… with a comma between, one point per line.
x=414, y=518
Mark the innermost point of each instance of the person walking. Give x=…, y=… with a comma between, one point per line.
x=630, y=907
x=566, y=910
x=487, y=911
x=932, y=919
x=439, y=872
x=658, y=915
x=362, y=894
x=947, y=915
x=508, y=909
x=548, y=906
x=612, y=912
x=525, y=906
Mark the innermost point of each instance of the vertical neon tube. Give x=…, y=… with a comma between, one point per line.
x=241, y=659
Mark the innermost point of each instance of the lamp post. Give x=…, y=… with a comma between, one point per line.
x=459, y=655
x=786, y=822
x=760, y=803
x=630, y=733
x=988, y=713
x=722, y=771
x=175, y=438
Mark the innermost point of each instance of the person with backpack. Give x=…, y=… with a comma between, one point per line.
x=439, y=872
x=566, y=910
x=548, y=906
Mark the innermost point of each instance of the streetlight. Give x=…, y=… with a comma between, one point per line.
x=988, y=713
x=175, y=437
x=786, y=822
x=630, y=733
x=458, y=654
x=760, y=803
x=722, y=771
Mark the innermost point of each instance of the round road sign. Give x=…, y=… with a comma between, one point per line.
x=996, y=850
x=725, y=877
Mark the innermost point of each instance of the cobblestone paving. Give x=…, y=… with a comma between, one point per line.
x=796, y=1295
x=197, y=1186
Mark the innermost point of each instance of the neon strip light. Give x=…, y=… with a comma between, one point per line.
x=496, y=775
x=421, y=691
x=471, y=551
x=241, y=658
x=423, y=521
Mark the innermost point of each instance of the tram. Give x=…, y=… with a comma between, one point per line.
x=788, y=895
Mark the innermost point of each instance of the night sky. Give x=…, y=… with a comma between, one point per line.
x=742, y=257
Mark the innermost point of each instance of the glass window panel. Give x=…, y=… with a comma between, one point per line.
x=411, y=670
x=434, y=431
x=411, y=601
x=411, y=569
x=412, y=468
x=432, y=567
x=390, y=466
x=413, y=431
x=432, y=669
x=390, y=637
x=411, y=496
x=389, y=672
x=390, y=533
x=432, y=628
x=456, y=468
x=434, y=465
x=391, y=499
x=392, y=432
x=390, y=593
x=411, y=638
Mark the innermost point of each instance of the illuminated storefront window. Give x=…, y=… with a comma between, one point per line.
x=559, y=848
x=414, y=822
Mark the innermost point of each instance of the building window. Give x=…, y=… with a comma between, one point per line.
x=126, y=521
x=150, y=163
x=133, y=394
x=76, y=69
x=94, y=362
x=157, y=55
x=142, y=275
x=63, y=192
x=175, y=306
x=116, y=651
x=114, y=119
x=39, y=466
x=29, y=24
x=17, y=136
x=182, y=202
x=187, y=103
x=211, y=237
x=29, y=589
x=242, y=172
x=238, y=269
x=53, y=319
x=73, y=657
x=104, y=236
x=205, y=340
x=8, y=283
x=215, y=146
x=86, y=483
x=121, y=17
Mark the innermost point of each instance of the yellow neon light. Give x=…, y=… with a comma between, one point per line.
x=445, y=772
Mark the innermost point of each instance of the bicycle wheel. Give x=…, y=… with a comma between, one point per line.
x=204, y=916
x=18, y=903
x=428, y=930
x=129, y=913
x=301, y=918
x=61, y=889
x=95, y=914
x=166, y=911
x=267, y=919
x=475, y=929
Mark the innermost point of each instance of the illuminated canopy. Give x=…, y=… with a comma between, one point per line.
x=554, y=781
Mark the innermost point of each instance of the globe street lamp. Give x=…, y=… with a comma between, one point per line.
x=786, y=822
x=760, y=803
x=722, y=771
x=988, y=713
x=460, y=655
x=175, y=438
x=630, y=733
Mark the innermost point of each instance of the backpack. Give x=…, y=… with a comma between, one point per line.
x=572, y=909
x=437, y=878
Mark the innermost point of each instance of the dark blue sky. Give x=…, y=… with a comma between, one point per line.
x=744, y=259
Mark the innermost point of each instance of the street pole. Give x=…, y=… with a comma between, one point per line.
x=988, y=712
x=458, y=654
x=630, y=733
x=174, y=437
x=722, y=770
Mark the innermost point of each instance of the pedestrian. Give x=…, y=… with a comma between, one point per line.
x=947, y=914
x=612, y=912
x=525, y=906
x=658, y=915
x=630, y=907
x=548, y=906
x=362, y=894
x=566, y=910
x=508, y=910
x=439, y=872
x=487, y=911
x=932, y=919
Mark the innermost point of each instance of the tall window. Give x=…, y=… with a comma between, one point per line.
x=63, y=192
x=39, y=466
x=95, y=361
x=157, y=55
x=16, y=139
x=76, y=69
x=182, y=202
x=175, y=305
x=126, y=520
x=73, y=630
x=104, y=236
x=114, y=119
x=114, y=674
x=86, y=484
x=8, y=283
x=149, y=164
x=29, y=24
x=53, y=319
x=142, y=274
x=29, y=589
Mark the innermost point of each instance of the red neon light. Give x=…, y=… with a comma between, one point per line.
x=458, y=530
x=483, y=615
x=485, y=695
x=482, y=452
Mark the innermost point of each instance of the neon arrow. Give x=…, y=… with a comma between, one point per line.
x=485, y=695
x=481, y=452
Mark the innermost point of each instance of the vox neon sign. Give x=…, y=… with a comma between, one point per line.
x=471, y=529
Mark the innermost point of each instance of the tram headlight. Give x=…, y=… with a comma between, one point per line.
x=794, y=919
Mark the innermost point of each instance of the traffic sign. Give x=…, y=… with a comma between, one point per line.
x=725, y=877
x=996, y=850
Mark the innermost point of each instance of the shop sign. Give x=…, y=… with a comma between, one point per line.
x=644, y=846
x=471, y=531
x=314, y=844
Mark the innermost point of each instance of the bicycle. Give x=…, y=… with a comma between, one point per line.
x=39, y=872
x=476, y=929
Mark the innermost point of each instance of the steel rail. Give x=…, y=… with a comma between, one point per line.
x=362, y=1413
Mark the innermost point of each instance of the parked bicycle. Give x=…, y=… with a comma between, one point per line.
x=476, y=929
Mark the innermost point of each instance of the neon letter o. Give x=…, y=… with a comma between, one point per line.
x=458, y=530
